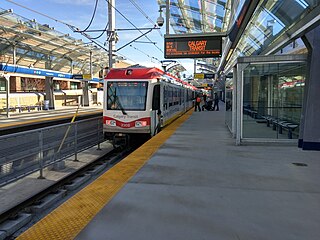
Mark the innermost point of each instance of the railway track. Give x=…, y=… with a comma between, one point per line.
x=24, y=215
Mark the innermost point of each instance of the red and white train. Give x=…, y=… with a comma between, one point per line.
x=141, y=101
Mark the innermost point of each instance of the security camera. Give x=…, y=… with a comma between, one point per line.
x=160, y=21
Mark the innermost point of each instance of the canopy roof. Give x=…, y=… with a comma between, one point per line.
x=38, y=45
x=193, y=16
x=266, y=25
x=273, y=25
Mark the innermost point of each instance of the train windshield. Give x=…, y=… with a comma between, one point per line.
x=126, y=96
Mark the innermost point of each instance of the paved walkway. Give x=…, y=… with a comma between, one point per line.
x=199, y=185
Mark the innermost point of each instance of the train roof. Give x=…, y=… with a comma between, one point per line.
x=143, y=73
x=134, y=73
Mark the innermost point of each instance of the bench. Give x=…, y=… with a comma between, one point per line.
x=289, y=126
x=11, y=109
x=280, y=124
x=250, y=112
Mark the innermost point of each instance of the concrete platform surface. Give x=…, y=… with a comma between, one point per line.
x=199, y=185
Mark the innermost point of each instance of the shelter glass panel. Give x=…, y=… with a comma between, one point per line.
x=272, y=100
x=192, y=3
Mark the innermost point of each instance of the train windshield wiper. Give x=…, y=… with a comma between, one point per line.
x=117, y=101
x=120, y=106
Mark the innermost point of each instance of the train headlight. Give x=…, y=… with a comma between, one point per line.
x=140, y=123
x=111, y=123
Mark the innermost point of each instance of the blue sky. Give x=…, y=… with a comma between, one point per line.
x=79, y=12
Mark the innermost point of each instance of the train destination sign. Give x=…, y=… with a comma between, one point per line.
x=193, y=47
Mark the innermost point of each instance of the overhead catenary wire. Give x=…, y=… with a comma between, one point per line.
x=133, y=25
x=42, y=14
x=93, y=40
x=105, y=29
x=93, y=15
x=145, y=15
x=127, y=58
x=151, y=57
x=134, y=3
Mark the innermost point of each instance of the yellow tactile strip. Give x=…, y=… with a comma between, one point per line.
x=71, y=217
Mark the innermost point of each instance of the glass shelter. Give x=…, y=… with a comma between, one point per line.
x=264, y=98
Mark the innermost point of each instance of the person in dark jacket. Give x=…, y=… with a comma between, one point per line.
x=216, y=102
x=204, y=98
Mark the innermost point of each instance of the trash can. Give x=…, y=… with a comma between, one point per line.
x=46, y=104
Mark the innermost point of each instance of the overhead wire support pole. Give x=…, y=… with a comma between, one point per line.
x=112, y=20
x=109, y=1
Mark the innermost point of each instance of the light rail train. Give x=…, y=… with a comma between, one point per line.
x=140, y=101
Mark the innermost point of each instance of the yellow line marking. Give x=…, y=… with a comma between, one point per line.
x=68, y=129
x=71, y=217
x=42, y=119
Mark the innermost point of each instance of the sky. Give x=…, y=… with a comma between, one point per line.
x=79, y=13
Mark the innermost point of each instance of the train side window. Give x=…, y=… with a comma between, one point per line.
x=165, y=94
x=156, y=98
x=171, y=103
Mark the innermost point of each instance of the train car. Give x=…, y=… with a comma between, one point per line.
x=140, y=101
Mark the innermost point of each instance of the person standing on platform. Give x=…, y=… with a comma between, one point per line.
x=197, y=103
x=205, y=98
x=216, y=102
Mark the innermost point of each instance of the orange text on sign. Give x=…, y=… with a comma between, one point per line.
x=197, y=45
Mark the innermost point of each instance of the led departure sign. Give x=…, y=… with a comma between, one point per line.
x=193, y=47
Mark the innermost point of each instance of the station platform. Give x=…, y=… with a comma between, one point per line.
x=34, y=117
x=192, y=182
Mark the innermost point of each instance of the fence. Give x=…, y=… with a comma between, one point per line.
x=27, y=152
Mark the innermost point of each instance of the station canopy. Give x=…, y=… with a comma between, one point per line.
x=274, y=25
x=36, y=44
x=193, y=16
x=206, y=16
x=271, y=27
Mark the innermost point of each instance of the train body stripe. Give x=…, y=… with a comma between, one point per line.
x=128, y=124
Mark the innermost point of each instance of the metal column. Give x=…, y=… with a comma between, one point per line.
x=310, y=131
x=234, y=101
x=85, y=86
x=49, y=86
x=7, y=95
